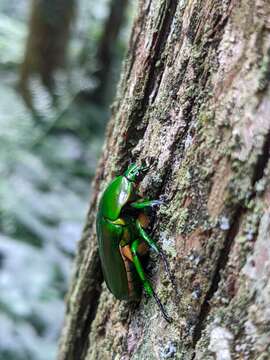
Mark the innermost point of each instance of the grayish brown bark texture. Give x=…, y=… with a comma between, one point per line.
x=194, y=100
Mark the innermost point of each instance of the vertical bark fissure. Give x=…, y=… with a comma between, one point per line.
x=200, y=80
x=155, y=71
x=154, y=75
x=76, y=341
x=262, y=161
x=134, y=39
x=82, y=343
x=238, y=214
x=89, y=300
x=221, y=265
x=81, y=322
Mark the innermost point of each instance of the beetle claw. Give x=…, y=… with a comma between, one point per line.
x=165, y=315
x=157, y=203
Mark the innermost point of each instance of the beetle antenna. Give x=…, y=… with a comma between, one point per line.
x=165, y=315
x=146, y=165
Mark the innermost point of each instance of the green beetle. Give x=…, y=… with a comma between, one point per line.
x=122, y=238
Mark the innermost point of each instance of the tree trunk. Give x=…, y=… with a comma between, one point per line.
x=106, y=52
x=194, y=101
x=49, y=29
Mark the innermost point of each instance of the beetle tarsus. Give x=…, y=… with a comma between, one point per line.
x=168, y=271
x=157, y=203
x=165, y=315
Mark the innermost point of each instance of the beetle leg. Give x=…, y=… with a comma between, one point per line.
x=147, y=238
x=126, y=251
x=142, y=203
x=158, y=250
x=127, y=257
x=143, y=219
x=146, y=284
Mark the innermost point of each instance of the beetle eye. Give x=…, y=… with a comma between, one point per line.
x=138, y=175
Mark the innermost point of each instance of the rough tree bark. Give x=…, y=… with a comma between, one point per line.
x=194, y=100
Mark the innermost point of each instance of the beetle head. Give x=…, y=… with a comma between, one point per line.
x=134, y=171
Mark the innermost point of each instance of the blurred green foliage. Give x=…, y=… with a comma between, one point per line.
x=46, y=166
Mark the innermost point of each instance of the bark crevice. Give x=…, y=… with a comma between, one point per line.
x=262, y=161
x=225, y=252
x=221, y=265
x=154, y=74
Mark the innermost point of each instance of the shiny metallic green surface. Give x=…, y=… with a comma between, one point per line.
x=119, y=229
x=109, y=235
x=115, y=197
x=113, y=267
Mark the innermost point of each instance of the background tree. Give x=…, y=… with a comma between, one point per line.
x=193, y=101
x=106, y=56
x=49, y=30
x=106, y=50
